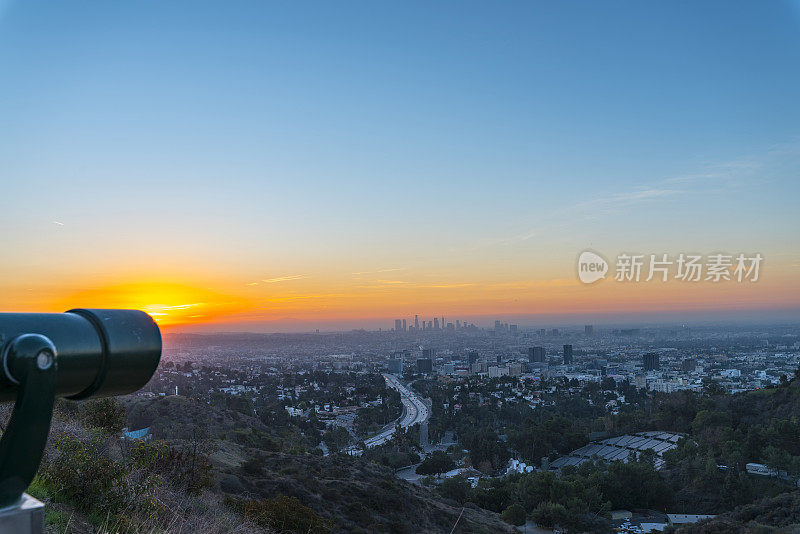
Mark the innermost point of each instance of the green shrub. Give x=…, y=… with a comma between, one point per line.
x=38, y=489
x=281, y=514
x=82, y=475
x=548, y=514
x=187, y=469
x=257, y=440
x=57, y=518
x=514, y=515
x=107, y=414
x=457, y=488
x=253, y=466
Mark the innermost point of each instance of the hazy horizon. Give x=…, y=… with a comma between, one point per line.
x=789, y=317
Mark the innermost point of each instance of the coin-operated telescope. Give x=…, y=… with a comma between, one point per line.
x=77, y=355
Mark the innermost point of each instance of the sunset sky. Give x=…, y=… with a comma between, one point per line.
x=298, y=165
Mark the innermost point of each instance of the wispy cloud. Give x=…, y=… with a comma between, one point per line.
x=776, y=161
x=517, y=285
x=728, y=173
x=162, y=311
x=400, y=284
x=292, y=298
x=284, y=278
x=535, y=284
x=582, y=211
x=773, y=163
x=278, y=279
x=379, y=271
x=175, y=307
x=624, y=200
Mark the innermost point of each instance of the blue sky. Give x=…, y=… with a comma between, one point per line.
x=248, y=137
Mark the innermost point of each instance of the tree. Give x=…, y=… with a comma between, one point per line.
x=648, y=456
x=336, y=438
x=436, y=464
x=486, y=451
x=711, y=387
x=634, y=485
x=107, y=414
x=456, y=488
x=514, y=515
x=608, y=384
x=548, y=514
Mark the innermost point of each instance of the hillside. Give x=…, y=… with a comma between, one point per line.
x=219, y=470
x=779, y=514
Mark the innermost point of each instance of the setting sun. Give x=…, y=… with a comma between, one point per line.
x=169, y=304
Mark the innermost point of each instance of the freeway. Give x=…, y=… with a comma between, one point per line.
x=414, y=411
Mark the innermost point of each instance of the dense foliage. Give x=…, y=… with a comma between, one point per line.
x=436, y=464
x=281, y=514
x=579, y=499
x=706, y=474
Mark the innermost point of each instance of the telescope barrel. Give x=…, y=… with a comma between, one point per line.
x=100, y=353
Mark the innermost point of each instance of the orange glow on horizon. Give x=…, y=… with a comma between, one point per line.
x=319, y=298
x=167, y=303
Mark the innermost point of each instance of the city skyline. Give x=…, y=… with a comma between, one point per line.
x=280, y=168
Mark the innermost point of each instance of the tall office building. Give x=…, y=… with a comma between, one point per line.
x=473, y=357
x=398, y=325
x=416, y=322
x=688, y=365
x=395, y=367
x=424, y=365
x=537, y=354
x=567, y=354
x=651, y=361
x=404, y=325
x=436, y=323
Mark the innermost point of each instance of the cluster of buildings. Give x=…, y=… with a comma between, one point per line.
x=435, y=324
x=425, y=361
x=737, y=362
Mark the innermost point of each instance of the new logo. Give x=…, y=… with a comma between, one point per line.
x=591, y=267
